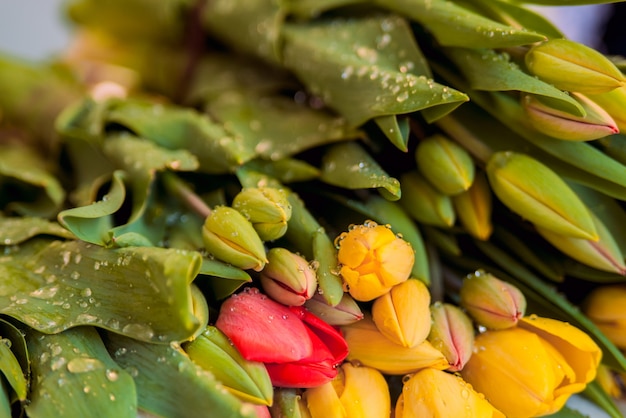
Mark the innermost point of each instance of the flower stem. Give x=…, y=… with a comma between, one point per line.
x=183, y=192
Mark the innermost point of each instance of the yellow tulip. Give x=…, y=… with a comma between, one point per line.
x=403, y=314
x=372, y=260
x=356, y=392
x=606, y=307
x=532, y=369
x=438, y=394
x=369, y=347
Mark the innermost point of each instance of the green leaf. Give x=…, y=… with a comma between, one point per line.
x=223, y=279
x=597, y=395
x=348, y=165
x=74, y=376
x=567, y=412
x=397, y=131
x=285, y=170
x=142, y=292
x=14, y=360
x=177, y=387
x=15, y=230
x=364, y=67
x=330, y=284
x=28, y=186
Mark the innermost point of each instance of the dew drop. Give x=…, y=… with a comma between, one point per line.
x=84, y=364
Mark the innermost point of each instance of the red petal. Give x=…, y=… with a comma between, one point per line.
x=300, y=375
x=263, y=330
x=329, y=335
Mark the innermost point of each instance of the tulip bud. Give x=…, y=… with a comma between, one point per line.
x=572, y=66
x=355, y=392
x=607, y=380
x=403, y=314
x=267, y=208
x=369, y=347
x=535, y=192
x=425, y=203
x=614, y=103
x=596, y=123
x=473, y=208
x=445, y=164
x=372, y=260
x=435, y=393
x=248, y=380
x=452, y=333
x=345, y=312
x=491, y=302
x=230, y=237
x=603, y=254
x=288, y=278
x=288, y=403
x=606, y=307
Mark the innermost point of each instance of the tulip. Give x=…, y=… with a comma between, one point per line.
x=230, y=237
x=267, y=208
x=369, y=347
x=535, y=192
x=491, y=302
x=572, y=66
x=298, y=348
x=372, y=260
x=357, y=392
x=532, y=369
x=288, y=278
x=452, y=333
x=613, y=102
x=345, y=312
x=435, y=393
x=606, y=307
x=445, y=164
x=473, y=207
x=245, y=379
x=424, y=202
x=403, y=314
x=596, y=123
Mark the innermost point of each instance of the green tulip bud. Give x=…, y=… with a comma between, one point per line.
x=248, y=380
x=572, y=66
x=445, y=164
x=230, y=237
x=347, y=311
x=288, y=403
x=596, y=123
x=535, y=192
x=614, y=103
x=267, y=208
x=452, y=333
x=491, y=302
x=425, y=203
x=288, y=278
x=473, y=207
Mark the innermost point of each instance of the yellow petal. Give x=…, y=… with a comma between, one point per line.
x=322, y=402
x=365, y=393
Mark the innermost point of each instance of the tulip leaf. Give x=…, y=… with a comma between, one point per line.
x=330, y=284
x=285, y=170
x=177, y=387
x=348, y=165
x=276, y=127
x=224, y=279
x=566, y=412
x=396, y=130
x=600, y=397
x=29, y=188
x=74, y=376
x=364, y=67
x=142, y=292
x=493, y=71
x=15, y=230
x=14, y=362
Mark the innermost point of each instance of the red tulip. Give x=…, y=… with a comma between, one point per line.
x=297, y=347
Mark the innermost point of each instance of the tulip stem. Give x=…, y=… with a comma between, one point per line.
x=451, y=126
x=183, y=192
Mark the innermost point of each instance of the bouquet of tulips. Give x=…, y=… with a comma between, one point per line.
x=338, y=208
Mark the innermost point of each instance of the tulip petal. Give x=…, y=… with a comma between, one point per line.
x=300, y=374
x=328, y=335
x=323, y=401
x=365, y=393
x=263, y=330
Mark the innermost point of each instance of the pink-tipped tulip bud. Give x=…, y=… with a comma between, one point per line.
x=452, y=333
x=288, y=278
x=347, y=311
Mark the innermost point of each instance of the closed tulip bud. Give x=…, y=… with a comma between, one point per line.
x=452, y=333
x=606, y=307
x=403, y=314
x=288, y=403
x=230, y=237
x=369, y=347
x=596, y=123
x=288, y=278
x=532, y=369
x=614, y=103
x=267, y=208
x=445, y=164
x=608, y=381
x=491, y=302
x=572, y=66
x=435, y=393
x=425, y=203
x=245, y=379
x=603, y=254
x=535, y=192
x=356, y=392
x=345, y=312
x=372, y=260
x=473, y=207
